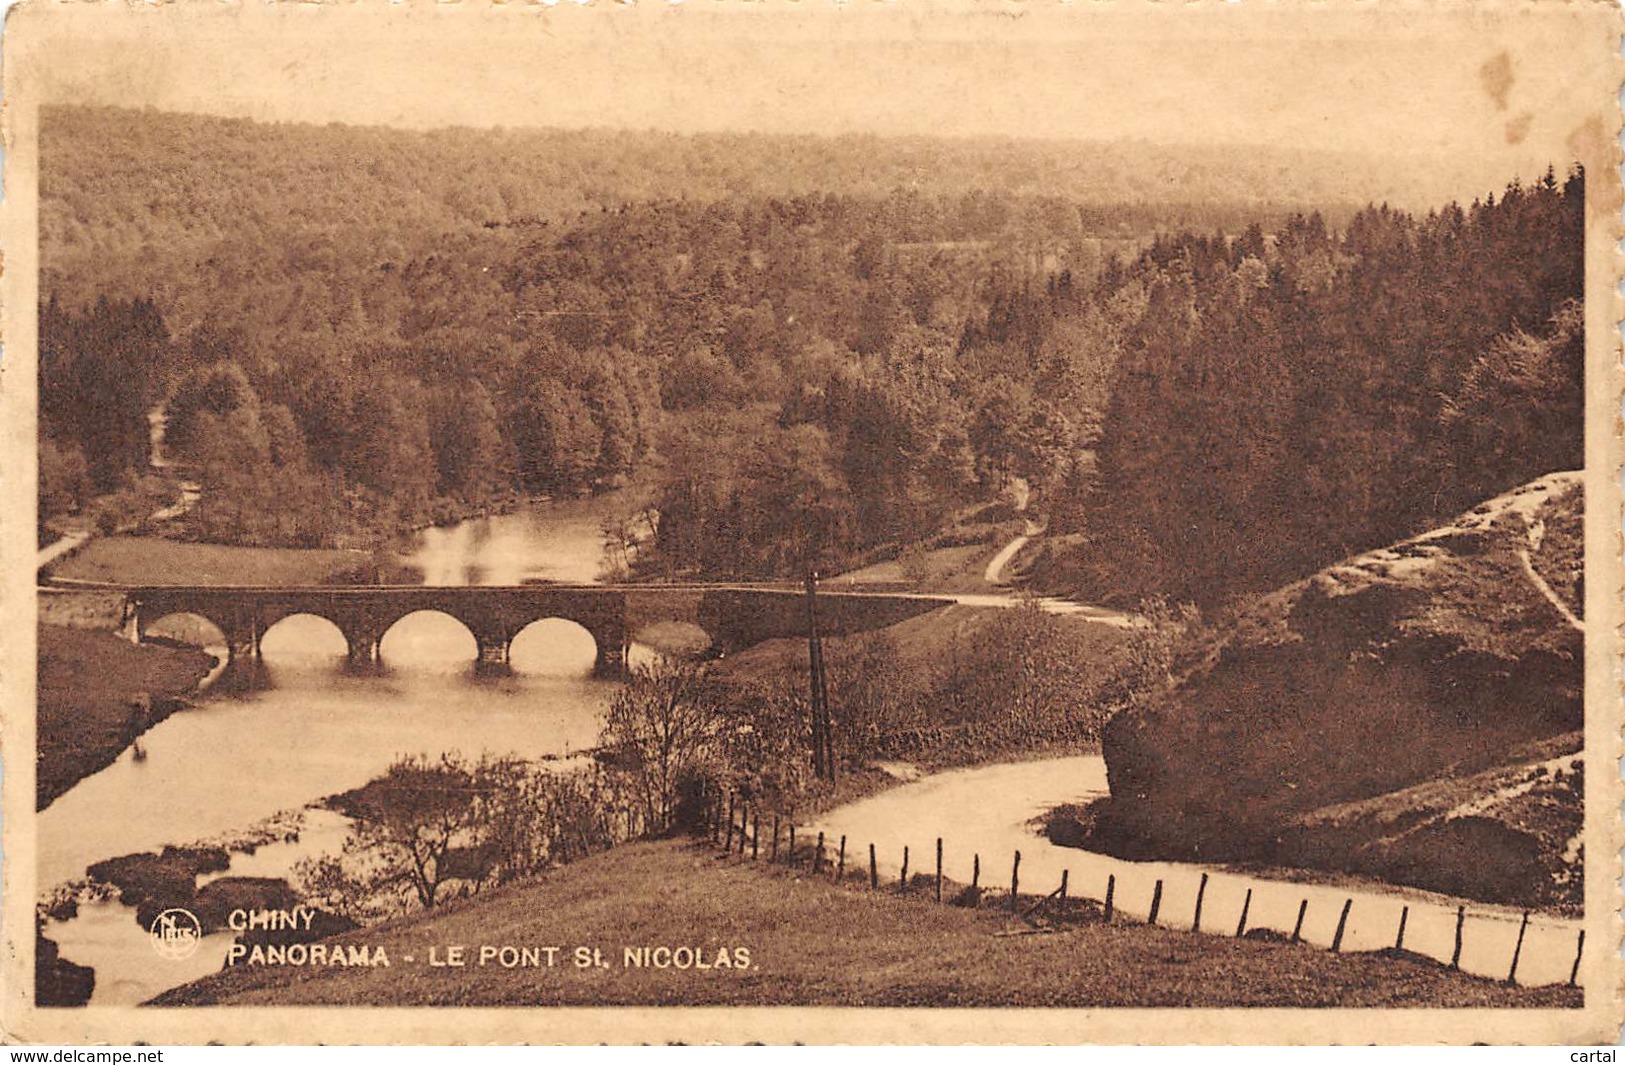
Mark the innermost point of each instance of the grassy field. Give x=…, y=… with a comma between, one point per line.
x=814, y=942
x=86, y=683
x=155, y=560
x=942, y=569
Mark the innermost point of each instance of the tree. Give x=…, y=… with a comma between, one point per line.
x=474, y=461
x=1519, y=410
x=219, y=389
x=664, y=725
x=412, y=817
x=393, y=457
x=64, y=479
x=98, y=374
x=429, y=824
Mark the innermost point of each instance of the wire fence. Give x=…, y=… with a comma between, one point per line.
x=1518, y=948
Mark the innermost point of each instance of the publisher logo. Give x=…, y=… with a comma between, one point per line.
x=176, y=934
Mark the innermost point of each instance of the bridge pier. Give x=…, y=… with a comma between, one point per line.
x=493, y=659
x=361, y=652
x=244, y=646
x=610, y=663
x=243, y=673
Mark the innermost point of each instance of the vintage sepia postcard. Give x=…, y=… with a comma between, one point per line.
x=934, y=521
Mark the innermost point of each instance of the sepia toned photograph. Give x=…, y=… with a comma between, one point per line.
x=927, y=522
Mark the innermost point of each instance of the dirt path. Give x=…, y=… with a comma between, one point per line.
x=994, y=574
x=990, y=813
x=191, y=492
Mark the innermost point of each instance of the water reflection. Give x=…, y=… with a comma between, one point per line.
x=556, y=542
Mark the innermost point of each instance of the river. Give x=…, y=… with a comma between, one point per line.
x=238, y=758
x=313, y=730
x=986, y=814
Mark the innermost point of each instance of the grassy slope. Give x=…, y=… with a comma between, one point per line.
x=924, y=646
x=86, y=682
x=943, y=569
x=154, y=560
x=813, y=942
x=929, y=651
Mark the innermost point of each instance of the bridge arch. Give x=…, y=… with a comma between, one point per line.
x=682, y=639
x=185, y=626
x=429, y=634
x=293, y=633
x=554, y=646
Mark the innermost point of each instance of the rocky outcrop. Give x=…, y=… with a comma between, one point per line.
x=57, y=981
x=218, y=898
x=1434, y=660
x=152, y=883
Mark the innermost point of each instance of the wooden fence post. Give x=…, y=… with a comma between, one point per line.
x=1404, y=915
x=773, y=855
x=1297, y=929
x=1579, y=948
x=743, y=823
x=1342, y=922
x=976, y=875
x=840, y=862
x=874, y=876
x=1156, y=903
x=902, y=879
x=755, y=835
x=791, y=860
x=1461, y=919
x=728, y=839
x=939, y=868
x=1517, y=951
x=1201, y=890
x=1060, y=910
x=1246, y=904
x=818, y=855
x=1015, y=882
x=1111, y=890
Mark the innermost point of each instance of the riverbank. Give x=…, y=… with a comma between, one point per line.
x=813, y=942
x=96, y=694
x=1412, y=713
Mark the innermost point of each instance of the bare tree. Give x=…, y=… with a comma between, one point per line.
x=665, y=725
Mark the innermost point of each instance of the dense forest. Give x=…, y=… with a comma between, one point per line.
x=1284, y=401
x=804, y=348
x=356, y=330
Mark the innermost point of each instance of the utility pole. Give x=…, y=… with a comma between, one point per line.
x=823, y=743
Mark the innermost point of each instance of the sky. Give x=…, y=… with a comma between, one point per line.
x=1492, y=93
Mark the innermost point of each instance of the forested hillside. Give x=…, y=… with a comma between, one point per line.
x=358, y=329
x=806, y=347
x=1286, y=402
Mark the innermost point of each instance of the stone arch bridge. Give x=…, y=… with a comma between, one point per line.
x=733, y=616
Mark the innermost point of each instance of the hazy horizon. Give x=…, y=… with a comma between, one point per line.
x=1455, y=122
x=1447, y=172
